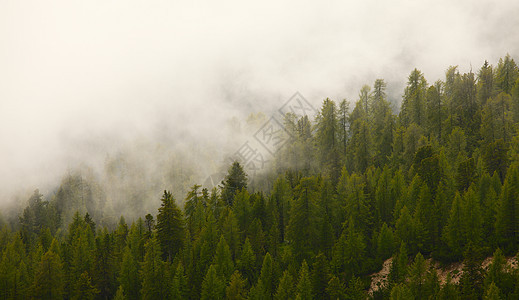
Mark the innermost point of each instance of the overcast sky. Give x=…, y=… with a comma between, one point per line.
x=74, y=73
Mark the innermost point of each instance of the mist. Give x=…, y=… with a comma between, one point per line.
x=82, y=82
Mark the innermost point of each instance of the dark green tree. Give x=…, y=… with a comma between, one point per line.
x=234, y=181
x=212, y=286
x=170, y=227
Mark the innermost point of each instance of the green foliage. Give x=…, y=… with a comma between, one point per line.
x=236, y=290
x=235, y=181
x=492, y=293
x=223, y=260
x=49, y=277
x=301, y=231
x=348, y=192
x=170, y=227
x=152, y=272
x=304, y=285
x=285, y=288
x=247, y=262
x=129, y=275
x=212, y=286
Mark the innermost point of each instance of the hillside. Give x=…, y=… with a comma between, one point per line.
x=427, y=194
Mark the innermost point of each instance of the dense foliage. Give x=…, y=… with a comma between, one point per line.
x=354, y=188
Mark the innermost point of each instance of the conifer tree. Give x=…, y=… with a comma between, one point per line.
x=152, y=272
x=170, y=227
x=285, y=288
x=234, y=182
x=49, y=277
x=129, y=275
x=212, y=286
x=236, y=290
x=223, y=260
x=304, y=285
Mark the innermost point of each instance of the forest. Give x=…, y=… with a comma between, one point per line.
x=424, y=188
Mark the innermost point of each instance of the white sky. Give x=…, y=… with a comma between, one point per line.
x=108, y=71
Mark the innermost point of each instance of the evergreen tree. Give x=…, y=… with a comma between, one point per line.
x=83, y=288
x=285, y=288
x=301, y=230
x=449, y=290
x=492, y=293
x=486, y=84
x=234, y=181
x=268, y=276
x=349, y=254
x=129, y=275
x=413, y=108
x=320, y=276
x=385, y=243
x=247, y=262
x=336, y=289
x=212, y=286
x=223, y=260
x=170, y=227
x=355, y=289
x=507, y=224
x=49, y=277
x=417, y=276
x=304, y=285
x=236, y=290
x=506, y=74
x=152, y=272
x=326, y=138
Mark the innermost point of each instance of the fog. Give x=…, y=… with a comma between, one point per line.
x=83, y=81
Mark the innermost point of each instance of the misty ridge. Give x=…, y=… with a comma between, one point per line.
x=158, y=99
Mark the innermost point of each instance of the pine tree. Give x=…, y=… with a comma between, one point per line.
x=268, y=276
x=129, y=275
x=471, y=281
x=401, y=292
x=434, y=110
x=212, y=286
x=326, y=138
x=304, y=285
x=349, y=254
x=223, y=260
x=449, y=290
x=152, y=272
x=417, y=276
x=385, y=243
x=83, y=288
x=234, y=182
x=398, y=271
x=506, y=74
x=320, y=275
x=247, y=262
x=343, y=124
x=413, y=108
x=336, y=289
x=355, y=289
x=492, y=293
x=170, y=227
x=486, y=88
x=453, y=231
x=104, y=265
x=285, y=288
x=49, y=277
x=507, y=224
x=302, y=229
x=180, y=284
x=236, y=290
x=499, y=274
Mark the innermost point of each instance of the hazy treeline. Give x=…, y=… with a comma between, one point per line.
x=357, y=186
